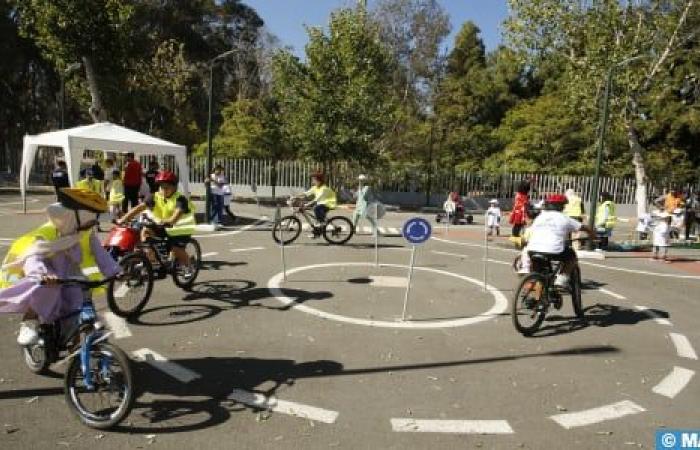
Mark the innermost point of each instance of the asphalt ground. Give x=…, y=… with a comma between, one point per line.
x=323, y=360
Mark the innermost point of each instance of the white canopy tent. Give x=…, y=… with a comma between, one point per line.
x=105, y=137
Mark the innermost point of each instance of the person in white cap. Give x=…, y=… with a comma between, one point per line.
x=368, y=205
x=662, y=235
x=493, y=218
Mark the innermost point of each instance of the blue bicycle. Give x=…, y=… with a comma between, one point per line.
x=98, y=381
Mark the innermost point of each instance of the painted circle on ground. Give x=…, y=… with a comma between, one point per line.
x=500, y=303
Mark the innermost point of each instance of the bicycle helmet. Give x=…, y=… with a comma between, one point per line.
x=82, y=199
x=555, y=202
x=167, y=177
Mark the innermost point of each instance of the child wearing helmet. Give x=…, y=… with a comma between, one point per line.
x=173, y=211
x=323, y=198
x=64, y=247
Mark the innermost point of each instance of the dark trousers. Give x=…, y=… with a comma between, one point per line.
x=131, y=195
x=689, y=222
x=320, y=211
x=217, y=208
x=517, y=229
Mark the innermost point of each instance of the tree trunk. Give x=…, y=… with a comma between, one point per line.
x=639, y=169
x=97, y=111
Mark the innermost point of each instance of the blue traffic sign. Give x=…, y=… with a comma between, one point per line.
x=417, y=230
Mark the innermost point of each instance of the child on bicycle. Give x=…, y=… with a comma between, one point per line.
x=323, y=198
x=64, y=247
x=173, y=211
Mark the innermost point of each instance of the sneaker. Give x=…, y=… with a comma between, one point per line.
x=523, y=270
x=561, y=281
x=27, y=335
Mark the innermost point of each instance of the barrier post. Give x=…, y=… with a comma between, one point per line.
x=408, y=287
x=278, y=225
x=486, y=252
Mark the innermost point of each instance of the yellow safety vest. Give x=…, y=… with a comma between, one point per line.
x=608, y=222
x=47, y=232
x=165, y=208
x=573, y=207
x=116, y=192
x=324, y=195
x=94, y=185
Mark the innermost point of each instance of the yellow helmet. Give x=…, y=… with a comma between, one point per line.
x=76, y=198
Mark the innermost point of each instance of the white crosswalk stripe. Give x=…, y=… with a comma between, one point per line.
x=283, y=406
x=160, y=362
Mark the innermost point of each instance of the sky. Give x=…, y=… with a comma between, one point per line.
x=286, y=18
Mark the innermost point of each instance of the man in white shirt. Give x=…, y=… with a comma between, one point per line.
x=550, y=231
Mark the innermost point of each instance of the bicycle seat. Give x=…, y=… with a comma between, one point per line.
x=540, y=256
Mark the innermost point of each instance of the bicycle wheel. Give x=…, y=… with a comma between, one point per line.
x=36, y=358
x=575, y=287
x=338, y=230
x=185, y=277
x=529, y=304
x=287, y=230
x=110, y=401
x=128, y=295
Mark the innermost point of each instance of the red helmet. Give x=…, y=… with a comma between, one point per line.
x=556, y=199
x=166, y=176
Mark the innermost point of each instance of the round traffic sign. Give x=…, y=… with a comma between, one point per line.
x=417, y=230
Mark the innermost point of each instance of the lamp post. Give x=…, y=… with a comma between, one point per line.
x=62, y=96
x=212, y=62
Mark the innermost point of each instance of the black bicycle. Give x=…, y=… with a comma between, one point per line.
x=336, y=230
x=98, y=381
x=537, y=293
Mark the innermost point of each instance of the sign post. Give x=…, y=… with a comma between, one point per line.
x=416, y=231
x=375, y=231
x=486, y=252
x=278, y=226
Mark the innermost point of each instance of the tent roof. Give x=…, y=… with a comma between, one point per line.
x=106, y=136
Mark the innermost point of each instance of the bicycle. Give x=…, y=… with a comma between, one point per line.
x=336, y=230
x=537, y=293
x=99, y=373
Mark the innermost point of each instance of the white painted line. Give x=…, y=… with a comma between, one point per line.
x=612, y=294
x=161, y=363
x=394, y=282
x=238, y=250
x=394, y=230
x=382, y=230
x=683, y=346
x=6, y=239
x=231, y=233
x=117, y=325
x=283, y=406
x=654, y=315
x=597, y=415
x=210, y=254
x=587, y=254
x=451, y=426
x=674, y=382
x=458, y=255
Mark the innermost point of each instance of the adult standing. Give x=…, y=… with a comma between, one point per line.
x=59, y=176
x=151, y=174
x=367, y=201
x=108, y=176
x=518, y=215
x=132, y=182
x=574, y=209
x=605, y=219
x=218, y=181
x=692, y=207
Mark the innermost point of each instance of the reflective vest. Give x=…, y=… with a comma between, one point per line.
x=573, y=207
x=164, y=209
x=116, y=192
x=47, y=232
x=605, y=216
x=94, y=185
x=323, y=195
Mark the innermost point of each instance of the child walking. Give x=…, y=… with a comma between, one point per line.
x=493, y=218
x=116, y=194
x=662, y=236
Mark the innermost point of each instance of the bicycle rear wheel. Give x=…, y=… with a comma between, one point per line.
x=287, y=230
x=184, y=277
x=338, y=230
x=530, y=304
x=575, y=287
x=128, y=295
x=111, y=399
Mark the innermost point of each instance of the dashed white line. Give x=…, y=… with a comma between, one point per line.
x=231, y=233
x=384, y=281
x=239, y=250
x=117, y=325
x=597, y=415
x=612, y=294
x=283, y=406
x=451, y=426
x=683, y=346
x=674, y=382
x=459, y=255
x=654, y=315
x=161, y=363
x=210, y=254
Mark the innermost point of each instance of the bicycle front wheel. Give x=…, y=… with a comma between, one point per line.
x=128, y=295
x=286, y=230
x=338, y=230
x=110, y=399
x=530, y=304
x=184, y=277
x=575, y=286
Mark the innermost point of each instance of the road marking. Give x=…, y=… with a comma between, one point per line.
x=451, y=426
x=597, y=415
x=654, y=315
x=459, y=255
x=382, y=230
x=238, y=250
x=117, y=325
x=284, y=407
x=161, y=363
x=234, y=232
x=500, y=303
x=587, y=254
x=210, y=254
x=683, y=346
x=612, y=294
x=674, y=382
x=395, y=282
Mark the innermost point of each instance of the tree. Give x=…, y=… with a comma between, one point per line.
x=588, y=38
x=338, y=103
